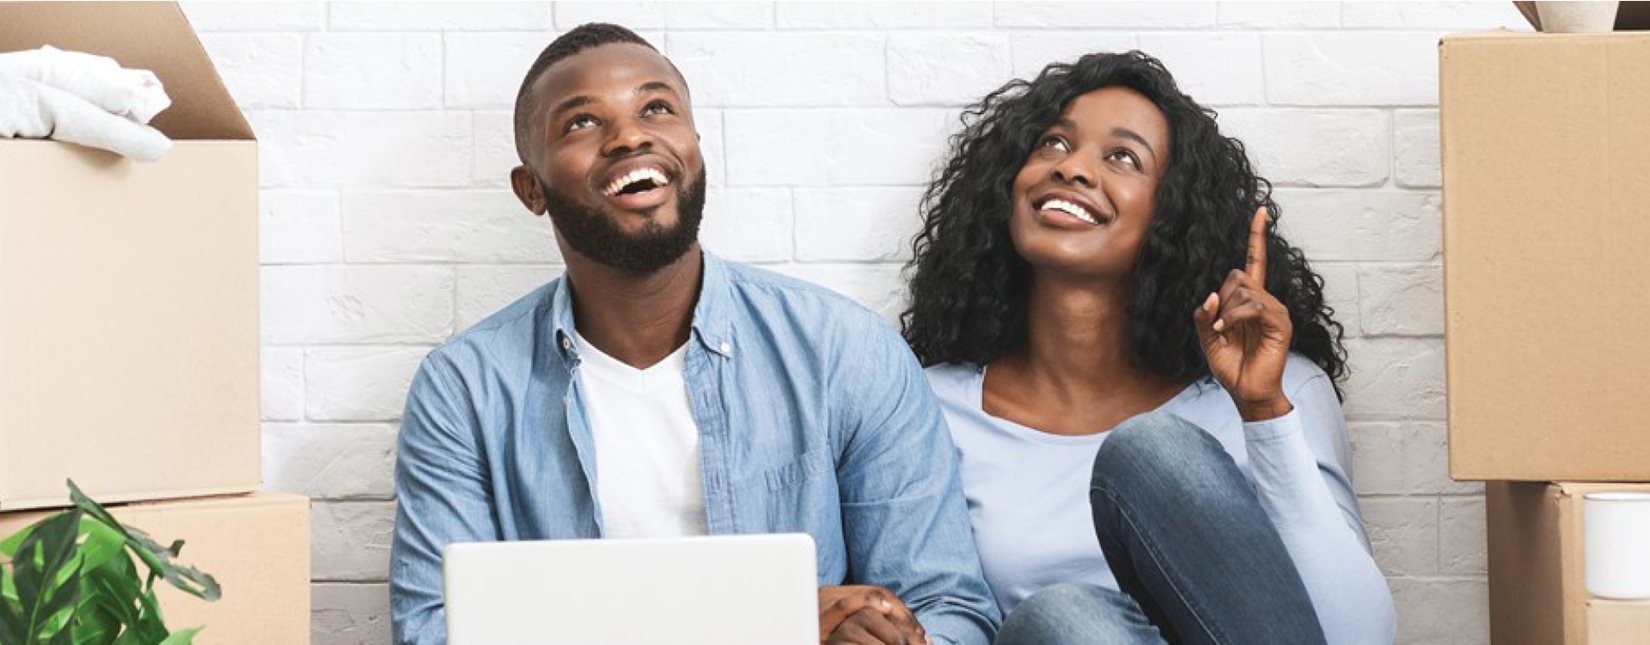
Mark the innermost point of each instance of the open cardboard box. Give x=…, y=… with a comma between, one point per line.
x=255, y=546
x=1546, y=167
x=1537, y=571
x=129, y=291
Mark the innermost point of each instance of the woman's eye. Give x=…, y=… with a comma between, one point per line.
x=1124, y=156
x=581, y=122
x=1055, y=142
x=658, y=107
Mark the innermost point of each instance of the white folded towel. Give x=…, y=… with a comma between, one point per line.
x=35, y=111
x=133, y=93
x=81, y=98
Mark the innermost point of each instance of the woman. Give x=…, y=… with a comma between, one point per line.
x=1126, y=350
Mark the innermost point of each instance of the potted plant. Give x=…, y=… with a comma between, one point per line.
x=71, y=579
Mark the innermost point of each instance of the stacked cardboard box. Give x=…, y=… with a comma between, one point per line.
x=129, y=328
x=1546, y=165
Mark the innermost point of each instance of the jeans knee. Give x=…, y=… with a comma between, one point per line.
x=1149, y=445
x=1073, y=613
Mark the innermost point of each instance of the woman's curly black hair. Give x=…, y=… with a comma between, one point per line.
x=969, y=286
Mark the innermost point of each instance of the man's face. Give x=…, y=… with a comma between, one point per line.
x=613, y=157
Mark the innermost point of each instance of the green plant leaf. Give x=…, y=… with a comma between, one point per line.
x=159, y=559
x=38, y=566
x=99, y=544
x=182, y=637
x=11, y=617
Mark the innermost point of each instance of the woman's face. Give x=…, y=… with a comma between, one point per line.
x=1085, y=196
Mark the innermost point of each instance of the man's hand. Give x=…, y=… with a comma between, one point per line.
x=866, y=615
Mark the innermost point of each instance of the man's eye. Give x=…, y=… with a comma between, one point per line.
x=658, y=107
x=581, y=122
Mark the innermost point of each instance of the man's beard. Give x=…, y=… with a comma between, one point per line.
x=594, y=234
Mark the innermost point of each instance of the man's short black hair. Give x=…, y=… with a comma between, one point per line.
x=582, y=37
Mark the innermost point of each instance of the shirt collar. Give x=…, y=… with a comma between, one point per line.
x=712, y=324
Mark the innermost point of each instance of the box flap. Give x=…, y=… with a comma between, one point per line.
x=141, y=35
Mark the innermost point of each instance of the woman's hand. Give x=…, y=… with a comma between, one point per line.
x=1245, y=334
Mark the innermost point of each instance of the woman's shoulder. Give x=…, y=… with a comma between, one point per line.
x=951, y=381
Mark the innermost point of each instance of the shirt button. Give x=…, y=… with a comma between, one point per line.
x=726, y=348
x=566, y=344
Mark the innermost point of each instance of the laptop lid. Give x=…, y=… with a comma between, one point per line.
x=723, y=589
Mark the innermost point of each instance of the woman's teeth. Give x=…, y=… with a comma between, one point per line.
x=1072, y=209
x=653, y=174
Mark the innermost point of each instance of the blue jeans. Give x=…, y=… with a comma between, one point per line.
x=1196, y=558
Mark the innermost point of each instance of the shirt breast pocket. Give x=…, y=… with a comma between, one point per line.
x=798, y=473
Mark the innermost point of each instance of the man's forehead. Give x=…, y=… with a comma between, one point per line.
x=627, y=65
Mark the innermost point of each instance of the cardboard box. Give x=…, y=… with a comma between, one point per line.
x=129, y=291
x=1537, y=575
x=255, y=546
x=1546, y=166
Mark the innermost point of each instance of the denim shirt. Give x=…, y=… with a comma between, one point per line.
x=813, y=417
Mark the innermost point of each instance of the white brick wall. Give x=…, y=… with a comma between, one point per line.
x=387, y=222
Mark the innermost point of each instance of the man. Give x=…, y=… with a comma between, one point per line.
x=655, y=390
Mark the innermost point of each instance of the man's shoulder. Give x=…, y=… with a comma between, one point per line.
x=507, y=335
x=770, y=293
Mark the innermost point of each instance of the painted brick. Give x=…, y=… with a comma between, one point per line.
x=1395, y=378
x=359, y=383
x=1362, y=225
x=299, y=227
x=673, y=15
x=326, y=149
x=349, y=614
x=781, y=69
x=1454, y=16
x=350, y=541
x=372, y=71
x=338, y=304
x=439, y=226
x=1104, y=15
x=485, y=69
x=255, y=16
x=1442, y=610
x=1313, y=147
x=1279, y=15
x=1415, y=160
x=945, y=69
x=438, y=16
x=1342, y=68
x=262, y=70
x=1461, y=541
x=1403, y=534
x=862, y=147
x=1034, y=51
x=856, y=224
x=282, y=386
x=1402, y=299
x=1340, y=291
x=878, y=287
x=1403, y=458
x=483, y=290
x=495, y=149
x=1237, y=80
x=331, y=461
x=883, y=15
x=749, y=224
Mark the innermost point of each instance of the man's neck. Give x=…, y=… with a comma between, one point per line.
x=637, y=318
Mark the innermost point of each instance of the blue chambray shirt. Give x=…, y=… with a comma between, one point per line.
x=813, y=417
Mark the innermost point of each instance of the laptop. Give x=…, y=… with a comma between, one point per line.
x=758, y=589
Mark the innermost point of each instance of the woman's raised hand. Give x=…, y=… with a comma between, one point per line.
x=1245, y=334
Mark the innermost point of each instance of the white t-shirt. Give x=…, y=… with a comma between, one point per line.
x=648, y=478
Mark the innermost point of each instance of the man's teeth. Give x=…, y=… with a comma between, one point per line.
x=1074, y=210
x=654, y=174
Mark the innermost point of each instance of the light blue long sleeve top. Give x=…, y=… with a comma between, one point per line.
x=1027, y=494
x=813, y=417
